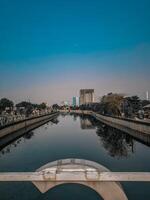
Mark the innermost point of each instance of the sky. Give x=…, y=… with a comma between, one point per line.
x=49, y=50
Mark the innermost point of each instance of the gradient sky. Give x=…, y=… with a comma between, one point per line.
x=50, y=49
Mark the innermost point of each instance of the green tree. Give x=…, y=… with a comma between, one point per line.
x=27, y=106
x=4, y=103
x=111, y=104
x=55, y=106
x=24, y=104
x=135, y=103
x=42, y=106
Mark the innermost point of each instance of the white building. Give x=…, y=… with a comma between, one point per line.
x=75, y=101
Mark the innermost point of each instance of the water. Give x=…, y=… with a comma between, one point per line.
x=73, y=137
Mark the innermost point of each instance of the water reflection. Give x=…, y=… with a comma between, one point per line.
x=54, y=121
x=12, y=141
x=86, y=123
x=65, y=140
x=75, y=117
x=117, y=143
x=29, y=135
x=14, y=144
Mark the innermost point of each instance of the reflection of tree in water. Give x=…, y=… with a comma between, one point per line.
x=15, y=143
x=75, y=117
x=28, y=135
x=55, y=121
x=117, y=143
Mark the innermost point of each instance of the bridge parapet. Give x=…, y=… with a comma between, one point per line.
x=79, y=171
x=83, y=172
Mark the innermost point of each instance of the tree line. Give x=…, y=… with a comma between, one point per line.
x=118, y=105
x=7, y=104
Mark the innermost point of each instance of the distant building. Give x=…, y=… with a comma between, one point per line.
x=147, y=96
x=86, y=96
x=75, y=101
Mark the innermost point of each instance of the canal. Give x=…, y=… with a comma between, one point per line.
x=73, y=136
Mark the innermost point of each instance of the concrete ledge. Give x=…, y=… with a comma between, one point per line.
x=5, y=131
x=140, y=126
x=74, y=175
x=77, y=171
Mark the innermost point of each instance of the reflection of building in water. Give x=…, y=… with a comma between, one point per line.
x=86, y=124
x=75, y=117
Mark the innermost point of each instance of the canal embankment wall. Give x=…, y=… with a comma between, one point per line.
x=139, y=129
x=26, y=124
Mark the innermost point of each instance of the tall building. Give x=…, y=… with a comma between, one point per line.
x=86, y=96
x=147, y=96
x=75, y=101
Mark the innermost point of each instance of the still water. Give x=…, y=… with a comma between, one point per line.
x=72, y=136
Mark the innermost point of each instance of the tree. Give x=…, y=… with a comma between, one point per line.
x=55, y=106
x=135, y=103
x=42, y=106
x=24, y=104
x=28, y=107
x=111, y=104
x=6, y=103
x=131, y=106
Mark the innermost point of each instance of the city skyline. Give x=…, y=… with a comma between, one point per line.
x=50, y=50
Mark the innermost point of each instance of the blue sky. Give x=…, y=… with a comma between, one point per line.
x=51, y=49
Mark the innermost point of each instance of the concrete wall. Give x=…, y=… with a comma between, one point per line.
x=24, y=124
x=138, y=129
x=79, y=172
x=138, y=126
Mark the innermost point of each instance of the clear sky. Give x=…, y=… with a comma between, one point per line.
x=49, y=49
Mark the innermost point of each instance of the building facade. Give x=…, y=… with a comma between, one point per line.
x=86, y=96
x=75, y=101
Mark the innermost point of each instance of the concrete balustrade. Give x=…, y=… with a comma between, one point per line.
x=73, y=175
x=85, y=172
x=79, y=171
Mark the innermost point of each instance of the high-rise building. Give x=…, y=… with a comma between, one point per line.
x=75, y=101
x=147, y=96
x=86, y=96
